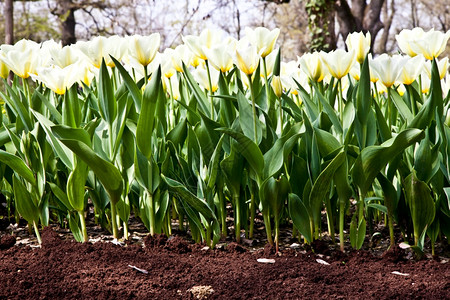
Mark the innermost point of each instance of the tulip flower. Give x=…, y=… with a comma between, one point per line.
x=247, y=58
x=59, y=79
x=65, y=56
x=100, y=48
x=144, y=48
x=4, y=70
x=411, y=70
x=338, y=62
x=431, y=44
x=425, y=83
x=220, y=58
x=22, y=58
x=277, y=86
x=201, y=76
x=311, y=64
x=405, y=37
x=206, y=40
x=442, y=66
x=263, y=39
x=388, y=68
x=182, y=54
x=360, y=43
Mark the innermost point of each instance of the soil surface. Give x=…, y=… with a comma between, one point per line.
x=173, y=268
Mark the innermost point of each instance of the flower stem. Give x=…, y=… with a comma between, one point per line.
x=210, y=89
x=252, y=94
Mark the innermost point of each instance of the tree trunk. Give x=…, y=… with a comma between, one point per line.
x=361, y=17
x=67, y=18
x=321, y=20
x=387, y=26
x=9, y=22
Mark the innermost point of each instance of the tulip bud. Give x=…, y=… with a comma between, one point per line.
x=276, y=85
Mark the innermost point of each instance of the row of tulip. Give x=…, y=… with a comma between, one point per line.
x=181, y=134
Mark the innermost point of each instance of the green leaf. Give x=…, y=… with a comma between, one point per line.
x=248, y=149
x=377, y=206
x=374, y=158
x=322, y=186
x=14, y=102
x=363, y=95
x=133, y=88
x=61, y=195
x=76, y=186
x=213, y=167
x=275, y=157
x=105, y=171
x=420, y=202
x=59, y=148
x=24, y=203
x=434, y=102
x=186, y=196
x=300, y=216
x=246, y=118
x=146, y=120
x=196, y=91
x=401, y=106
x=108, y=104
x=18, y=166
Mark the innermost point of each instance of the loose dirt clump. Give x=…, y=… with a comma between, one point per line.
x=7, y=241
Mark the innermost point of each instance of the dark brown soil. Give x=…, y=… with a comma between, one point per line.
x=173, y=268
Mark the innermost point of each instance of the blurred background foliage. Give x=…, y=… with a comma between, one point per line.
x=305, y=25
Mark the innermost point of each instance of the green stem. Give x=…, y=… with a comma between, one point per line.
x=391, y=231
x=330, y=220
x=341, y=223
x=83, y=226
x=210, y=89
x=252, y=213
x=115, y=231
x=252, y=93
x=277, y=233
x=172, y=106
x=266, y=216
x=145, y=75
x=266, y=81
x=151, y=213
x=223, y=213
x=36, y=230
x=341, y=101
x=208, y=236
x=237, y=218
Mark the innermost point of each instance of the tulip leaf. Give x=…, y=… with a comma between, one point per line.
x=196, y=91
x=133, y=88
x=300, y=216
x=275, y=157
x=60, y=149
x=108, y=104
x=76, y=186
x=401, y=106
x=421, y=204
x=373, y=159
x=146, y=120
x=15, y=104
x=24, y=202
x=79, y=143
x=186, y=196
x=248, y=149
x=433, y=104
x=18, y=166
x=246, y=118
x=363, y=95
x=322, y=186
